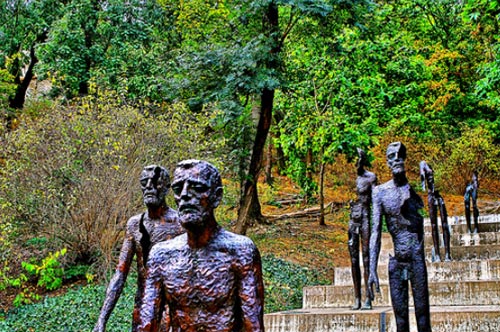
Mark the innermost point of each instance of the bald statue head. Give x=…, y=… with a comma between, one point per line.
x=396, y=155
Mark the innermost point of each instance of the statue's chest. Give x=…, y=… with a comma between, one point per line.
x=201, y=279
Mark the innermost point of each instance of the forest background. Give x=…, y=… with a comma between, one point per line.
x=277, y=94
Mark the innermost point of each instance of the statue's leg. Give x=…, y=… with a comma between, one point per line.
x=365, y=246
x=399, y=294
x=446, y=229
x=420, y=292
x=435, y=231
x=476, y=217
x=467, y=215
x=353, y=244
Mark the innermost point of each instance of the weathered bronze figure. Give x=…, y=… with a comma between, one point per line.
x=435, y=202
x=398, y=203
x=471, y=193
x=208, y=279
x=359, y=226
x=157, y=224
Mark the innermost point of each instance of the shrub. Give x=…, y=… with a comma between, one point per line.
x=71, y=172
x=49, y=272
x=283, y=283
x=75, y=311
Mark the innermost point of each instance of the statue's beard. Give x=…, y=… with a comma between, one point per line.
x=152, y=199
x=192, y=218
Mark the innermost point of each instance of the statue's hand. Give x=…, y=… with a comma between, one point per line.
x=373, y=281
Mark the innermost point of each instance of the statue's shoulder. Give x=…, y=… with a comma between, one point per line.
x=380, y=190
x=177, y=243
x=240, y=247
x=171, y=215
x=233, y=239
x=133, y=222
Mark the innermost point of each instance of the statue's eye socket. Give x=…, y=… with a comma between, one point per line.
x=177, y=189
x=200, y=187
x=144, y=182
x=392, y=156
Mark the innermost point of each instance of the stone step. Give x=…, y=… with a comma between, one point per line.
x=381, y=319
x=473, y=270
x=462, y=253
x=459, y=225
x=457, y=293
x=456, y=240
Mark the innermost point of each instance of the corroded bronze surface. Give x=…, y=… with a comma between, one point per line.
x=359, y=227
x=398, y=203
x=208, y=279
x=157, y=224
x=471, y=194
x=435, y=202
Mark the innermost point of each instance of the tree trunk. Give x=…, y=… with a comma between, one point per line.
x=250, y=211
x=17, y=102
x=280, y=155
x=269, y=164
x=321, y=195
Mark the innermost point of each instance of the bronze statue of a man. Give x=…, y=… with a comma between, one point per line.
x=435, y=202
x=208, y=279
x=157, y=224
x=398, y=203
x=471, y=193
x=359, y=226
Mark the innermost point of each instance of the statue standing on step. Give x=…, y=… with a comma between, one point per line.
x=207, y=279
x=359, y=226
x=435, y=202
x=399, y=205
x=157, y=224
x=471, y=193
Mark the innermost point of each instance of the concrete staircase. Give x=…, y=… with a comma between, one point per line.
x=464, y=293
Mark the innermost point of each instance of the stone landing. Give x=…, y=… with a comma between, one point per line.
x=464, y=293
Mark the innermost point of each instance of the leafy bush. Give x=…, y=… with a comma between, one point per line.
x=474, y=150
x=49, y=272
x=283, y=283
x=75, y=311
x=72, y=171
x=78, y=309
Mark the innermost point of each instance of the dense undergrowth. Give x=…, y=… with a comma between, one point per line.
x=78, y=309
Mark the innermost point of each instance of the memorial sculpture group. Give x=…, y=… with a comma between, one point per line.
x=398, y=204
x=195, y=276
x=205, y=279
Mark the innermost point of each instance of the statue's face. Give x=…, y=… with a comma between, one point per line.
x=154, y=185
x=396, y=155
x=196, y=194
x=362, y=158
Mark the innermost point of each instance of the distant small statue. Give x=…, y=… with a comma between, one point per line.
x=399, y=204
x=208, y=279
x=435, y=202
x=157, y=224
x=471, y=193
x=359, y=226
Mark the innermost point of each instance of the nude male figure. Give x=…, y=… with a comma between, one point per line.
x=157, y=224
x=436, y=203
x=399, y=205
x=209, y=279
x=359, y=228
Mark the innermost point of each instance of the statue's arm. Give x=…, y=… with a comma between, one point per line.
x=117, y=282
x=251, y=292
x=375, y=239
x=152, y=303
